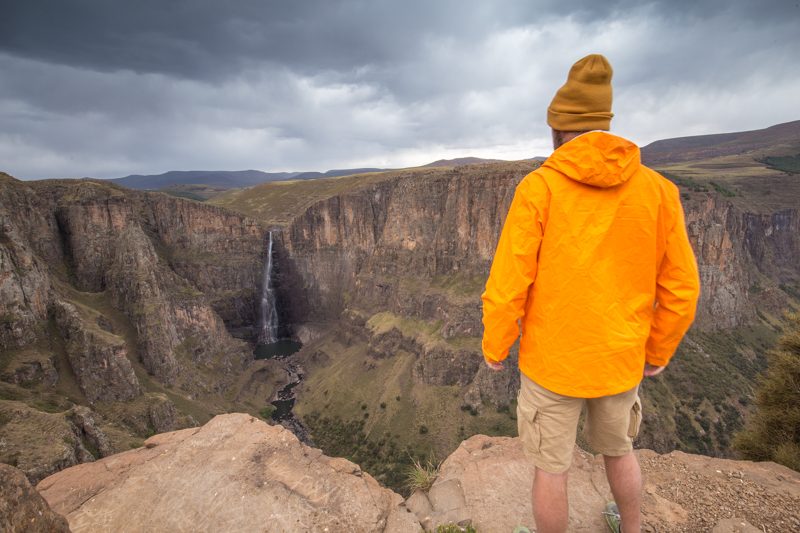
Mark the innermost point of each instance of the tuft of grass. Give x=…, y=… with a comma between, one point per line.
x=453, y=528
x=421, y=476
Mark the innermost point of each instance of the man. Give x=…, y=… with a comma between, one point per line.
x=595, y=269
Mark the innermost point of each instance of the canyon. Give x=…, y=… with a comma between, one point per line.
x=124, y=314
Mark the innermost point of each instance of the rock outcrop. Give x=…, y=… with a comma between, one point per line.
x=98, y=358
x=238, y=474
x=41, y=443
x=487, y=481
x=22, y=509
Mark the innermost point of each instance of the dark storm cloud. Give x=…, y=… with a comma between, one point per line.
x=208, y=38
x=109, y=88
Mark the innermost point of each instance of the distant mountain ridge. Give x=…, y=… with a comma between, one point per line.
x=460, y=161
x=335, y=173
x=217, y=178
x=234, y=179
x=780, y=138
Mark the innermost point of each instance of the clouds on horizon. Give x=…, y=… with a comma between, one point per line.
x=101, y=89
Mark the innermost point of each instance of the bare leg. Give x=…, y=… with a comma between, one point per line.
x=625, y=480
x=550, y=502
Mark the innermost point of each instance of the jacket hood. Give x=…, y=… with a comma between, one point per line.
x=597, y=158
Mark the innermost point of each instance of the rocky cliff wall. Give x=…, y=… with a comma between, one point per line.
x=110, y=298
x=444, y=225
x=168, y=264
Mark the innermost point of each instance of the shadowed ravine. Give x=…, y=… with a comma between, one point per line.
x=271, y=347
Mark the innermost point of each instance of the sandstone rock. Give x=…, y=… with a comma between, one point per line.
x=234, y=473
x=99, y=359
x=708, y=490
x=735, y=525
x=488, y=480
x=22, y=509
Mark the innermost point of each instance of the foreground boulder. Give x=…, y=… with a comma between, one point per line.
x=487, y=481
x=22, y=508
x=235, y=473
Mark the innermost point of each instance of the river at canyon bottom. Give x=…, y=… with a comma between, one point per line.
x=284, y=399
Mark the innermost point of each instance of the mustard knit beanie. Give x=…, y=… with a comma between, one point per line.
x=584, y=102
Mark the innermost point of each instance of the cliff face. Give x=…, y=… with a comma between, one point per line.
x=110, y=299
x=427, y=225
x=431, y=225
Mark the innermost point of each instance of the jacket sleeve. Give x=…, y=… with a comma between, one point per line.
x=514, y=268
x=677, y=291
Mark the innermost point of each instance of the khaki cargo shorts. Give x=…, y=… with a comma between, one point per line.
x=548, y=424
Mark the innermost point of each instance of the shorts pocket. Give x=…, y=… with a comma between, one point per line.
x=528, y=426
x=635, y=418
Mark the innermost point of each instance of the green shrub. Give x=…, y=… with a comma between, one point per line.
x=721, y=189
x=772, y=432
x=453, y=528
x=266, y=412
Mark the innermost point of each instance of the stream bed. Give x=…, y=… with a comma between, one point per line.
x=283, y=399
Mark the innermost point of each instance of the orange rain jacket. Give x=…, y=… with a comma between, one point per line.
x=595, y=265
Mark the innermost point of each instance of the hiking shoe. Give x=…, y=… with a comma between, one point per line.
x=612, y=517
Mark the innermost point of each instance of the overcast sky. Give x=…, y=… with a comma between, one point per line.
x=108, y=88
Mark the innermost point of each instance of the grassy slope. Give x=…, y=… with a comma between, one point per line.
x=279, y=202
x=740, y=166
x=400, y=420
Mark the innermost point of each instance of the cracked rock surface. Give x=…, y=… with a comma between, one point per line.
x=236, y=473
x=487, y=481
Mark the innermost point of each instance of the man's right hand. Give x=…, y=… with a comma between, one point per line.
x=496, y=367
x=651, y=370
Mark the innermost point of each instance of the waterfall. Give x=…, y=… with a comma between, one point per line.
x=269, y=313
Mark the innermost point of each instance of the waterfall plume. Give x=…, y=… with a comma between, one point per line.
x=268, y=318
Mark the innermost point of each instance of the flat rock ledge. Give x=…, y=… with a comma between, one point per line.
x=235, y=473
x=486, y=481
